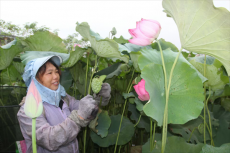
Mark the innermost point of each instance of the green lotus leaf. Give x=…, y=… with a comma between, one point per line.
x=210, y=149
x=226, y=104
x=134, y=57
x=30, y=55
x=104, y=123
x=44, y=41
x=223, y=131
x=19, y=67
x=78, y=74
x=66, y=79
x=8, y=52
x=128, y=95
x=126, y=132
x=186, y=129
x=139, y=104
x=113, y=70
x=214, y=72
x=120, y=40
x=203, y=28
x=74, y=57
x=164, y=45
x=144, y=121
x=129, y=47
x=10, y=75
x=186, y=82
x=174, y=145
x=103, y=47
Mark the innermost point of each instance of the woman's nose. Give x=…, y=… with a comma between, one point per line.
x=56, y=75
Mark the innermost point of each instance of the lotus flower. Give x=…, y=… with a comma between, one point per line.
x=145, y=33
x=77, y=45
x=33, y=103
x=143, y=95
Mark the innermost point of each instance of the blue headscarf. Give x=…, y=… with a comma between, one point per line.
x=52, y=97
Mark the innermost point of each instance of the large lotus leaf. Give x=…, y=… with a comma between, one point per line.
x=30, y=55
x=120, y=40
x=103, y=47
x=113, y=70
x=126, y=132
x=223, y=131
x=66, y=79
x=144, y=121
x=44, y=41
x=164, y=45
x=78, y=74
x=214, y=72
x=203, y=28
x=134, y=57
x=74, y=57
x=186, y=129
x=10, y=75
x=104, y=123
x=129, y=47
x=19, y=66
x=174, y=145
x=186, y=82
x=226, y=104
x=8, y=52
x=210, y=149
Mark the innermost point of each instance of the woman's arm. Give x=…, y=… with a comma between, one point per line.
x=47, y=136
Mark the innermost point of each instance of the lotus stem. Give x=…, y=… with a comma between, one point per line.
x=165, y=122
x=87, y=67
x=204, y=96
x=150, y=139
x=153, y=135
x=129, y=88
x=94, y=69
x=34, y=135
x=210, y=123
x=138, y=121
x=191, y=134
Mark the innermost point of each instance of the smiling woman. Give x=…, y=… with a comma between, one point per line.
x=63, y=116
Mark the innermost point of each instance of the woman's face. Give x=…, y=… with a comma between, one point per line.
x=50, y=78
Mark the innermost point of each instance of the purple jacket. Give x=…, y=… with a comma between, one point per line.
x=55, y=132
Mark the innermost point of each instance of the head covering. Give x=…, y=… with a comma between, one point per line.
x=52, y=97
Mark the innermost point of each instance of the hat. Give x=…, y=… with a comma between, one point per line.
x=40, y=61
x=33, y=66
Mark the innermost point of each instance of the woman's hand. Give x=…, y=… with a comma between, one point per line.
x=87, y=111
x=104, y=93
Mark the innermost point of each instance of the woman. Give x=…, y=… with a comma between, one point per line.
x=63, y=116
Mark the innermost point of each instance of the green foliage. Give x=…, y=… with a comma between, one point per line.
x=203, y=28
x=210, y=149
x=120, y=40
x=174, y=144
x=164, y=45
x=44, y=41
x=104, y=123
x=74, y=57
x=214, y=73
x=8, y=52
x=66, y=79
x=10, y=75
x=185, y=81
x=100, y=46
x=126, y=133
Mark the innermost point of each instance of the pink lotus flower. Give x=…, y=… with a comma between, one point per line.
x=145, y=33
x=77, y=45
x=143, y=95
x=33, y=103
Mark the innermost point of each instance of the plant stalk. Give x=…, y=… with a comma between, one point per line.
x=165, y=121
x=204, y=97
x=34, y=135
x=129, y=88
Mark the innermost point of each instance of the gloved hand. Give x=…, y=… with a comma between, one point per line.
x=104, y=93
x=87, y=111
